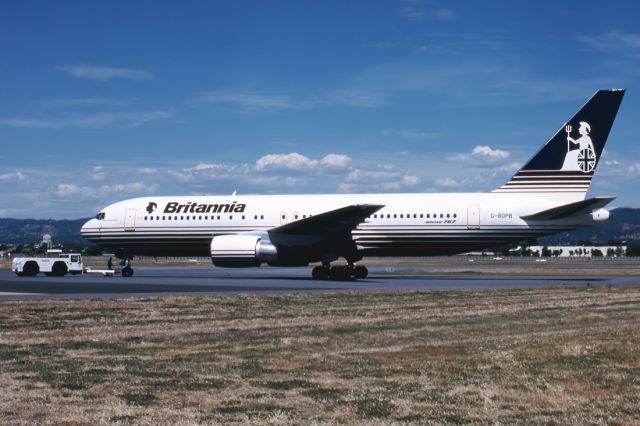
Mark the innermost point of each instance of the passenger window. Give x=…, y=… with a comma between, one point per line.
x=448, y=216
x=230, y=217
x=242, y=217
x=428, y=216
x=261, y=216
x=455, y=215
x=441, y=215
x=395, y=216
x=199, y=217
x=421, y=216
x=388, y=216
x=145, y=218
x=401, y=216
x=163, y=218
x=151, y=218
x=218, y=217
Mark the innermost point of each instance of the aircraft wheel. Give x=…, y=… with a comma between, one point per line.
x=340, y=273
x=320, y=273
x=127, y=271
x=360, y=272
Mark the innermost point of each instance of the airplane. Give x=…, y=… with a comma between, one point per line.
x=546, y=196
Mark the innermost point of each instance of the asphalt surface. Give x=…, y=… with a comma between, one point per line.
x=151, y=281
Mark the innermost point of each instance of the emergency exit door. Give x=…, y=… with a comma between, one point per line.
x=130, y=220
x=473, y=217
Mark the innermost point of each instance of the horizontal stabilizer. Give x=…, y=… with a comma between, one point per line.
x=571, y=209
x=339, y=221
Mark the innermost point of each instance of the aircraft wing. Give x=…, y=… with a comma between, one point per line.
x=571, y=209
x=339, y=221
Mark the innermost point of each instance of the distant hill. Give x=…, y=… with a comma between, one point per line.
x=30, y=231
x=624, y=225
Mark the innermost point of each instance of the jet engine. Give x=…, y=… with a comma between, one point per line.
x=600, y=215
x=238, y=251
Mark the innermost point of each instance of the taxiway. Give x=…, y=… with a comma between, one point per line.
x=150, y=281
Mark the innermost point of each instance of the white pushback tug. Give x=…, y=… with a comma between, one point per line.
x=55, y=264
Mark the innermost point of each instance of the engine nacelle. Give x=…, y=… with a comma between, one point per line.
x=600, y=215
x=237, y=251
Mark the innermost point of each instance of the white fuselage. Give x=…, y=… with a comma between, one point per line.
x=408, y=224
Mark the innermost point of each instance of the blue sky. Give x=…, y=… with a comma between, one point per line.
x=102, y=101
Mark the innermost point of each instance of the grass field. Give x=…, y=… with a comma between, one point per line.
x=552, y=356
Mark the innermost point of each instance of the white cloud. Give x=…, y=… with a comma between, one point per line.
x=248, y=100
x=448, y=183
x=335, y=161
x=128, y=188
x=72, y=190
x=292, y=161
x=482, y=156
x=613, y=39
x=634, y=170
x=82, y=103
x=349, y=97
x=411, y=134
x=410, y=180
x=366, y=176
x=98, y=173
x=382, y=177
x=105, y=73
x=149, y=170
x=133, y=118
x=18, y=176
x=487, y=151
x=417, y=11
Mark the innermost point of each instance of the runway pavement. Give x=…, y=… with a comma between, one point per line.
x=151, y=281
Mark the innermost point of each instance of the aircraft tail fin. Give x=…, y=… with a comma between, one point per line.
x=566, y=164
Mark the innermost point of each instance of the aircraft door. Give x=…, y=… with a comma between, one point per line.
x=473, y=217
x=130, y=220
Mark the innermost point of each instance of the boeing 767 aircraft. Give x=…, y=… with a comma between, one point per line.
x=546, y=196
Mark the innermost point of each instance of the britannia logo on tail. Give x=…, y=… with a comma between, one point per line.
x=581, y=156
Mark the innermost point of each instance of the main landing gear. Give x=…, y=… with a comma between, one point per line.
x=339, y=272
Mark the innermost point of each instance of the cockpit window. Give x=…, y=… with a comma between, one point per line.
x=100, y=216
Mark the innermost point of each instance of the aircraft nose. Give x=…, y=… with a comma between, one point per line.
x=88, y=226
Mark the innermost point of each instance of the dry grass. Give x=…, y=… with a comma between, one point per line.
x=563, y=355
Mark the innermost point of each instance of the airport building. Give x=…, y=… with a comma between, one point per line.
x=576, y=251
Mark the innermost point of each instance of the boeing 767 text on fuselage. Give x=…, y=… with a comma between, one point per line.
x=546, y=196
